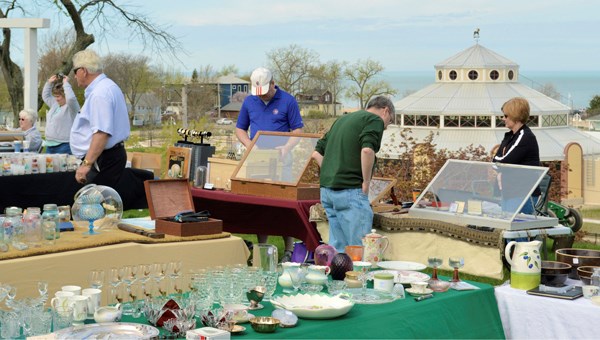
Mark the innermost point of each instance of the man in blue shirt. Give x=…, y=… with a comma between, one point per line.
x=268, y=109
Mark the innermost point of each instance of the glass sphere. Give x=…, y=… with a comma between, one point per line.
x=99, y=196
x=324, y=254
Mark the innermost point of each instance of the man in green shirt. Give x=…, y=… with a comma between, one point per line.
x=346, y=155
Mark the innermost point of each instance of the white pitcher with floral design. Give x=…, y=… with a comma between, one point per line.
x=375, y=245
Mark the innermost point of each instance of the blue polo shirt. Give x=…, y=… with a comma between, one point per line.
x=281, y=114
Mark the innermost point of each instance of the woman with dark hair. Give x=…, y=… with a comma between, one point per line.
x=61, y=100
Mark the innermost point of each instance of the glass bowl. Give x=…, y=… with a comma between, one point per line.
x=310, y=288
x=439, y=285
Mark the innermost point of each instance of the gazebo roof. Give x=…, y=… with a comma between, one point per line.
x=476, y=56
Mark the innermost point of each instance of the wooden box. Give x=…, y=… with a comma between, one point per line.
x=168, y=197
x=220, y=171
x=266, y=171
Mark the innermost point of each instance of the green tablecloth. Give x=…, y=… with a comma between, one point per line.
x=453, y=314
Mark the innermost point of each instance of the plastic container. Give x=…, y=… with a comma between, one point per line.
x=352, y=280
x=383, y=282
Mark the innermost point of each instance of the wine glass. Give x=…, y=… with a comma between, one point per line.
x=144, y=272
x=362, y=267
x=114, y=278
x=297, y=275
x=96, y=278
x=434, y=262
x=129, y=277
x=456, y=262
x=158, y=274
x=42, y=287
x=174, y=270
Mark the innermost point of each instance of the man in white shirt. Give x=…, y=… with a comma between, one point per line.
x=102, y=125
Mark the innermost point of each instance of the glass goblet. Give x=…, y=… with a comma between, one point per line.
x=144, y=272
x=42, y=287
x=434, y=262
x=362, y=267
x=297, y=276
x=456, y=262
x=96, y=278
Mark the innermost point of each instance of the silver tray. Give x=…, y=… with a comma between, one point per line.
x=109, y=330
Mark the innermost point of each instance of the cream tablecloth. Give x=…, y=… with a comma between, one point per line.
x=527, y=316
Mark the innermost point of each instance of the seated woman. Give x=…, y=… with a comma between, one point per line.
x=27, y=120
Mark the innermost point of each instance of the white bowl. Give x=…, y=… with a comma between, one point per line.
x=313, y=306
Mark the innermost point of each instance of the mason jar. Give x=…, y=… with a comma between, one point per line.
x=32, y=227
x=50, y=223
x=13, y=227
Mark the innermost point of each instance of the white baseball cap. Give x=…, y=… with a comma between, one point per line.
x=261, y=81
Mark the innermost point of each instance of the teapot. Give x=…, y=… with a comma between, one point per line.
x=525, y=264
x=375, y=245
x=317, y=274
x=285, y=280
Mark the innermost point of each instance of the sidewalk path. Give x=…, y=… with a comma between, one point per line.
x=591, y=220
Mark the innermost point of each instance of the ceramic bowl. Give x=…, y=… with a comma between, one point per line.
x=555, y=273
x=585, y=273
x=264, y=324
x=313, y=306
x=585, y=257
x=108, y=314
x=439, y=285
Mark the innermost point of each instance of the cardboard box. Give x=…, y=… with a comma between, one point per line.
x=146, y=161
x=168, y=197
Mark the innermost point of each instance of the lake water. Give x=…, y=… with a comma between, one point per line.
x=580, y=86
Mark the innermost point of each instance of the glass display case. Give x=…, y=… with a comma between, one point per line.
x=482, y=194
x=274, y=164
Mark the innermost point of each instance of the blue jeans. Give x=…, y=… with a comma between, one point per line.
x=60, y=148
x=350, y=216
x=511, y=205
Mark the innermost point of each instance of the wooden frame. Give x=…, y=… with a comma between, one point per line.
x=178, y=162
x=379, y=187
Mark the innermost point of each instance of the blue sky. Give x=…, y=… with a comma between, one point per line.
x=540, y=35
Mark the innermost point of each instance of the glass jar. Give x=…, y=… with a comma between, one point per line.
x=352, y=280
x=32, y=227
x=50, y=223
x=13, y=228
x=595, y=279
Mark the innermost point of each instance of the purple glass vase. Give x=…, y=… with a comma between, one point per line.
x=340, y=264
x=324, y=254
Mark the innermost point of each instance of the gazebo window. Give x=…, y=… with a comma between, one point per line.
x=434, y=121
x=484, y=121
x=494, y=75
x=532, y=121
x=451, y=121
x=473, y=75
x=467, y=121
x=421, y=120
x=440, y=75
x=453, y=75
x=409, y=120
x=554, y=120
x=511, y=75
x=499, y=122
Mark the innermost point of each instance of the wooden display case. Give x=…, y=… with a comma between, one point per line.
x=220, y=171
x=266, y=171
x=168, y=197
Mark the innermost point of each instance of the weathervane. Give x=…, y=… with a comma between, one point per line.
x=476, y=35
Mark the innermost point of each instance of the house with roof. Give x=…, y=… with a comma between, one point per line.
x=228, y=86
x=463, y=107
x=318, y=100
x=147, y=110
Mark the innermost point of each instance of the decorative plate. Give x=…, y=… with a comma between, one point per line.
x=313, y=306
x=401, y=265
x=238, y=329
x=244, y=319
x=109, y=330
x=401, y=276
x=415, y=293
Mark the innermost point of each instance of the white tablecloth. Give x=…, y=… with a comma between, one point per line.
x=527, y=316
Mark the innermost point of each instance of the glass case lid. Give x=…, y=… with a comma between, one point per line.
x=277, y=157
x=490, y=190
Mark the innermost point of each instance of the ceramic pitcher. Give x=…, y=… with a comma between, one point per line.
x=284, y=279
x=317, y=274
x=525, y=264
x=375, y=245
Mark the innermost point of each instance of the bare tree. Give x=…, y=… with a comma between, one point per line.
x=101, y=16
x=291, y=65
x=133, y=75
x=365, y=86
x=550, y=90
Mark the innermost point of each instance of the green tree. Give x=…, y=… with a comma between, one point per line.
x=195, y=76
x=365, y=85
x=594, y=105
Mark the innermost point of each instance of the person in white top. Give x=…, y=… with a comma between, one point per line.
x=27, y=120
x=102, y=125
x=60, y=98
